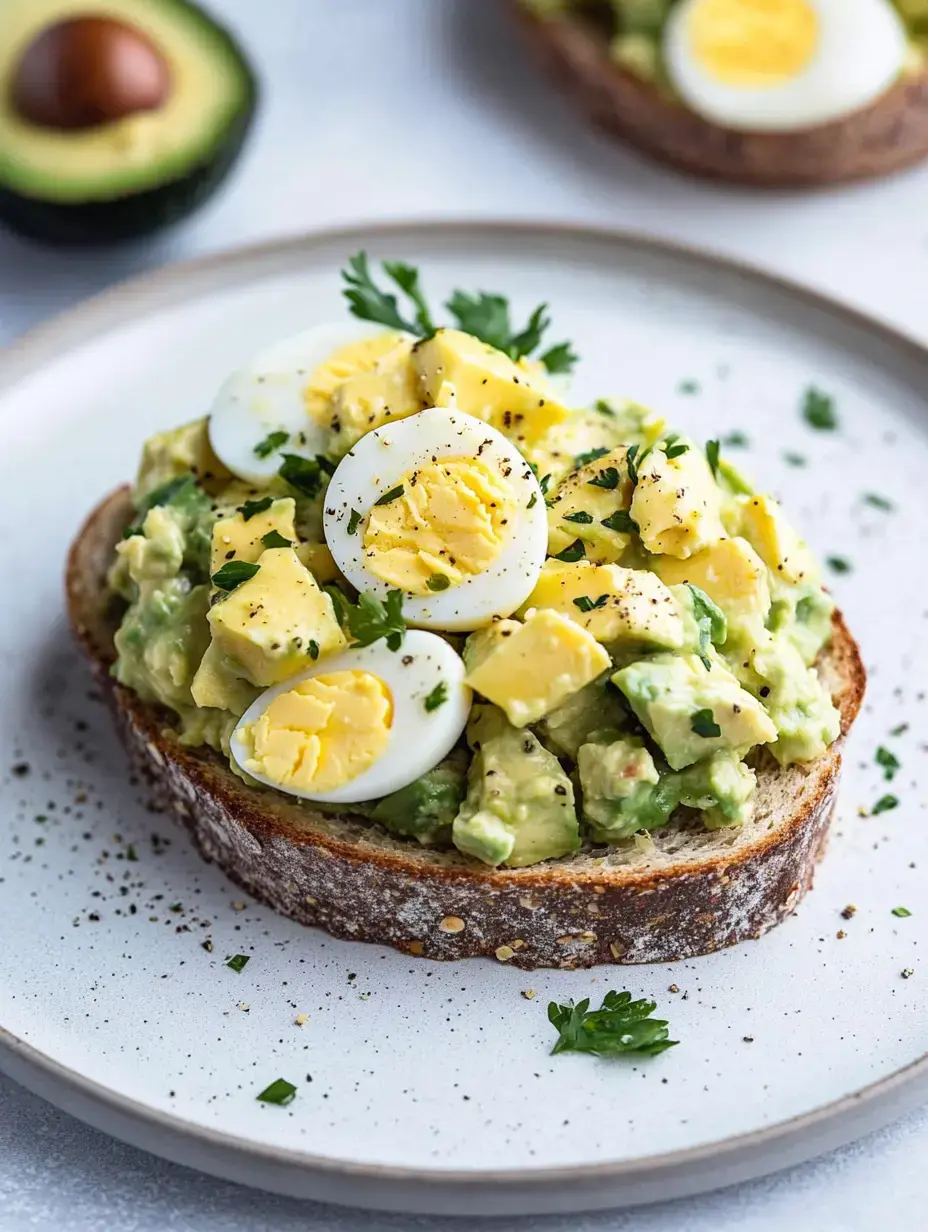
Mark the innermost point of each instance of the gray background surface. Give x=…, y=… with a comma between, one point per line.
x=425, y=108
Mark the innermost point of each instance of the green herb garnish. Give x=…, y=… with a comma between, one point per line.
x=884, y=804
x=252, y=508
x=313, y=648
x=392, y=495
x=573, y=552
x=354, y=522
x=274, y=440
x=603, y=407
x=592, y=455
x=304, y=474
x=438, y=581
x=794, y=459
x=165, y=494
x=633, y=460
x=878, y=502
x=620, y=1027
x=560, y=358
x=274, y=539
x=703, y=724
x=899, y=730
x=544, y=483
x=370, y=619
x=712, y=457
x=533, y=501
x=736, y=440
x=688, y=387
x=607, y=478
x=673, y=447
x=586, y=604
x=901, y=913
x=233, y=573
x=238, y=962
x=818, y=410
x=621, y=521
x=279, y=1092
x=889, y=762
x=581, y=517
x=710, y=619
x=838, y=564
x=369, y=303
x=437, y=697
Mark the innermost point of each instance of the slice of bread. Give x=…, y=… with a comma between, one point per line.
x=890, y=133
x=683, y=891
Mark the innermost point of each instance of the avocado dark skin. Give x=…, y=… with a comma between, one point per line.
x=89, y=71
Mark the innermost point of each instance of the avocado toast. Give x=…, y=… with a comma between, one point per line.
x=622, y=752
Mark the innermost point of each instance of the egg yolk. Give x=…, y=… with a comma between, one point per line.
x=448, y=520
x=356, y=359
x=753, y=43
x=322, y=733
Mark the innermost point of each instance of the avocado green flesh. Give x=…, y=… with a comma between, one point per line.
x=130, y=177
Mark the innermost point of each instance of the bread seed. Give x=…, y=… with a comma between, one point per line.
x=504, y=953
x=452, y=924
x=616, y=949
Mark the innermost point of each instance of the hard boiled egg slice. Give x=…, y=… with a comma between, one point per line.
x=279, y=393
x=781, y=65
x=442, y=507
x=360, y=725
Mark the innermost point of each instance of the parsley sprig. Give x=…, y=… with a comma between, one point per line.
x=484, y=315
x=711, y=622
x=369, y=619
x=619, y=1027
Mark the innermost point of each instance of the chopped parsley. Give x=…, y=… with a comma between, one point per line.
x=603, y=408
x=369, y=619
x=878, y=502
x=533, y=501
x=272, y=442
x=884, y=804
x=794, y=459
x=304, y=474
x=252, y=508
x=592, y=455
x=392, y=495
x=239, y=962
x=163, y=495
x=580, y=516
x=703, y=724
x=839, y=564
x=313, y=648
x=279, y=1092
x=673, y=447
x=559, y=358
x=354, y=522
x=619, y=1027
x=633, y=460
x=573, y=552
x=888, y=761
x=233, y=573
x=899, y=730
x=544, y=483
x=607, y=478
x=712, y=625
x=688, y=387
x=901, y=913
x=818, y=410
x=736, y=440
x=438, y=581
x=586, y=604
x=274, y=539
x=712, y=457
x=437, y=697
x=621, y=521
x=369, y=303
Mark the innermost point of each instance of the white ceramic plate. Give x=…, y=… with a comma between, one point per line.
x=431, y=1085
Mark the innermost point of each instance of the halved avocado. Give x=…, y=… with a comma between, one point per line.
x=116, y=116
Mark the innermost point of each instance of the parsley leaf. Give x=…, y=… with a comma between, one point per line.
x=274, y=539
x=901, y=913
x=884, y=804
x=818, y=410
x=889, y=761
x=233, y=573
x=544, y=483
x=688, y=387
x=591, y=455
x=368, y=302
x=703, y=724
x=603, y=407
x=633, y=460
x=581, y=517
x=573, y=552
x=354, y=522
x=839, y=564
x=620, y=1026
x=313, y=648
x=304, y=474
x=238, y=962
x=899, y=730
x=607, y=478
x=586, y=604
x=437, y=697
x=533, y=501
x=559, y=358
x=712, y=457
x=736, y=440
x=486, y=316
x=710, y=619
x=163, y=495
x=370, y=619
x=272, y=441
x=794, y=459
x=437, y=582
x=392, y=495
x=406, y=278
x=279, y=1092
x=673, y=447
x=253, y=507
x=622, y=521
x=878, y=502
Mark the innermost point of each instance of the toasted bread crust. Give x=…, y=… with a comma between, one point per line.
x=889, y=134
x=348, y=877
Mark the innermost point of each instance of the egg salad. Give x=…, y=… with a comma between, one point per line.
x=764, y=65
x=394, y=572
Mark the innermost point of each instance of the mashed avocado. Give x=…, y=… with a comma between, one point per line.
x=668, y=644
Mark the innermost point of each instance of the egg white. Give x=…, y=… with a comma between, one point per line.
x=862, y=49
x=267, y=396
x=377, y=462
x=418, y=739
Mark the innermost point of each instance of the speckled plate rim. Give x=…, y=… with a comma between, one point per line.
x=439, y=1191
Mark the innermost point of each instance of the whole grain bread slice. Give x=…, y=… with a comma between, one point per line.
x=684, y=891
x=890, y=133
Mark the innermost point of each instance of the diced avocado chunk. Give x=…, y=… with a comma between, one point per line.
x=806, y=720
x=677, y=504
x=277, y=622
x=615, y=605
x=519, y=807
x=639, y=54
x=457, y=370
x=171, y=530
x=592, y=505
x=161, y=641
x=729, y=571
x=598, y=704
x=426, y=808
x=622, y=789
x=721, y=787
x=238, y=538
x=691, y=712
x=805, y=618
x=179, y=451
x=529, y=668
x=218, y=683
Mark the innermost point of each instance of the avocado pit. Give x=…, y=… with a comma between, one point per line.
x=88, y=71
